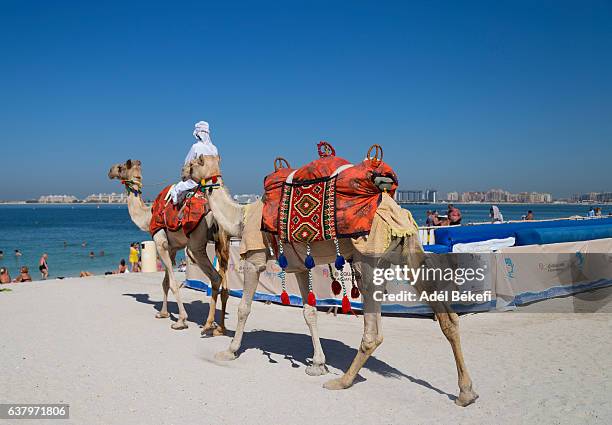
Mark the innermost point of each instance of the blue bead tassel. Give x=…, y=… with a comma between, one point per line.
x=283, y=263
x=340, y=262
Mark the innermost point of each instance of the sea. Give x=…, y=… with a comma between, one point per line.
x=69, y=233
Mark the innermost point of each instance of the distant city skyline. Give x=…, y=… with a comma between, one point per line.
x=401, y=195
x=461, y=96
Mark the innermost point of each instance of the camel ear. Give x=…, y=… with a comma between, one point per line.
x=201, y=160
x=128, y=163
x=137, y=162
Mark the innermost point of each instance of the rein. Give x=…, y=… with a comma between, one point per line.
x=132, y=186
x=210, y=183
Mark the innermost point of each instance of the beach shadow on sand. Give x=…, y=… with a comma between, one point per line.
x=197, y=311
x=294, y=348
x=297, y=350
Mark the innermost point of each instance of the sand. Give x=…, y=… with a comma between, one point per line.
x=94, y=343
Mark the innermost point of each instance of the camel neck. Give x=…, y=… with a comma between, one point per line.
x=139, y=212
x=227, y=212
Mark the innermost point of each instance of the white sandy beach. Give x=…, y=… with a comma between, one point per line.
x=94, y=343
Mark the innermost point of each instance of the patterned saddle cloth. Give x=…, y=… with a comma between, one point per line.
x=166, y=215
x=325, y=199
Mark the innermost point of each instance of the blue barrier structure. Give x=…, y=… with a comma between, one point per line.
x=423, y=309
x=562, y=234
x=450, y=236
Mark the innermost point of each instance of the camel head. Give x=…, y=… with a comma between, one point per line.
x=185, y=172
x=204, y=167
x=129, y=170
x=115, y=171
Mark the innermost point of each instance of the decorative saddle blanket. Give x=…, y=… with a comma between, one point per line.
x=166, y=215
x=326, y=199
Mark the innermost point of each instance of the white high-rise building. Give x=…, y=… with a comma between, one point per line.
x=57, y=199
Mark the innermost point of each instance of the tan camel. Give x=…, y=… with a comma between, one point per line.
x=230, y=217
x=168, y=243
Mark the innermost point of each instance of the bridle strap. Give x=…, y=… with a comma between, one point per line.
x=210, y=183
x=132, y=186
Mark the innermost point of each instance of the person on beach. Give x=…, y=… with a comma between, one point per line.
x=592, y=212
x=85, y=274
x=429, y=219
x=435, y=218
x=202, y=146
x=1, y=254
x=496, y=215
x=5, y=277
x=91, y=254
x=454, y=215
x=24, y=276
x=43, y=267
x=133, y=258
x=529, y=216
x=18, y=253
x=122, y=267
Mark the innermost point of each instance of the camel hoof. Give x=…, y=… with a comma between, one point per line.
x=466, y=398
x=218, y=331
x=317, y=370
x=179, y=326
x=225, y=356
x=161, y=315
x=207, y=328
x=336, y=384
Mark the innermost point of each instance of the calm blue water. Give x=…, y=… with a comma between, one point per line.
x=34, y=229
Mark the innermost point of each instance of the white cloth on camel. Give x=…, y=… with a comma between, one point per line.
x=180, y=188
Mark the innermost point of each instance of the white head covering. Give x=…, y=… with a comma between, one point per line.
x=202, y=132
x=203, y=144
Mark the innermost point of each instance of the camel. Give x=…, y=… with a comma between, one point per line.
x=231, y=217
x=168, y=243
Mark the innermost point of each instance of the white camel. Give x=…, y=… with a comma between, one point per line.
x=231, y=217
x=168, y=243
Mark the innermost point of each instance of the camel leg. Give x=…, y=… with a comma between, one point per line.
x=163, y=314
x=215, y=283
x=220, y=330
x=449, y=323
x=198, y=241
x=448, y=320
x=222, y=246
x=318, y=366
x=255, y=263
x=372, y=329
x=161, y=241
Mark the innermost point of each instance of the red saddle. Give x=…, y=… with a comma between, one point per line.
x=325, y=199
x=166, y=215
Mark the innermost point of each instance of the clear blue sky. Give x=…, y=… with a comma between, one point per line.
x=462, y=95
